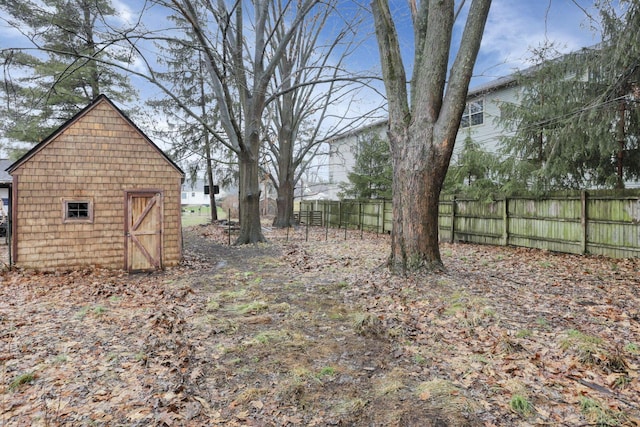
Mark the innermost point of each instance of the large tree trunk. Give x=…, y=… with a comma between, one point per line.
x=250, y=227
x=286, y=172
x=284, y=202
x=212, y=195
x=419, y=168
x=422, y=133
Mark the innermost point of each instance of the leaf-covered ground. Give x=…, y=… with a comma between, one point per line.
x=316, y=333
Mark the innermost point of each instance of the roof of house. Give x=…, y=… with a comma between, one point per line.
x=5, y=178
x=493, y=85
x=76, y=117
x=358, y=131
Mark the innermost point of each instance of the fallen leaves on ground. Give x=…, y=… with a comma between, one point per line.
x=311, y=329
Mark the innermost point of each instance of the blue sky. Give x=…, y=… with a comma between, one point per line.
x=513, y=28
x=516, y=26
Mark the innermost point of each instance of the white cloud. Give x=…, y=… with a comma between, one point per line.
x=515, y=27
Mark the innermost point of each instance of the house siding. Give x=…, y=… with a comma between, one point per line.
x=98, y=157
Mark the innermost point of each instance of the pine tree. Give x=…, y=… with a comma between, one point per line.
x=577, y=122
x=475, y=172
x=372, y=175
x=62, y=71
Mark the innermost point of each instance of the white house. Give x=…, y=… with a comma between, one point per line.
x=342, y=155
x=193, y=193
x=481, y=114
x=197, y=193
x=478, y=121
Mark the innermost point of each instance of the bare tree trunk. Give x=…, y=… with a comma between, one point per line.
x=284, y=202
x=212, y=195
x=422, y=132
x=250, y=227
x=286, y=168
x=418, y=176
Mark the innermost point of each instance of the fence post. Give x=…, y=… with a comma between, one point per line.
x=505, y=220
x=583, y=220
x=361, y=220
x=326, y=205
x=453, y=218
x=378, y=218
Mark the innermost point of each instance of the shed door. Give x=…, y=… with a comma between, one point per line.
x=144, y=231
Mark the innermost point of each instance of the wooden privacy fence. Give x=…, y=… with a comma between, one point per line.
x=601, y=223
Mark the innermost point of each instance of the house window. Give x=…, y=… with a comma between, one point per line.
x=184, y=196
x=77, y=210
x=473, y=114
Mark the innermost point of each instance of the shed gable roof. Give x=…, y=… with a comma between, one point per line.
x=69, y=123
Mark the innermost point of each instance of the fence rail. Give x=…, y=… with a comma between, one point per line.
x=596, y=223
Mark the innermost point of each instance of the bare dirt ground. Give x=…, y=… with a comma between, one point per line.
x=297, y=333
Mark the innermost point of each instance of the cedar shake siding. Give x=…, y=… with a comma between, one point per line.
x=70, y=194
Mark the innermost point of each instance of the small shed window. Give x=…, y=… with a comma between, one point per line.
x=77, y=210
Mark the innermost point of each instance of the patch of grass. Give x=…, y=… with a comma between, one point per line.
x=367, y=324
x=437, y=389
x=521, y=405
x=351, y=406
x=247, y=396
x=542, y=322
x=597, y=414
x=141, y=357
x=510, y=346
x=419, y=359
x=342, y=285
x=586, y=345
x=468, y=309
x=445, y=396
x=253, y=307
x=389, y=384
x=326, y=371
x=622, y=381
x=98, y=310
x=82, y=312
x=212, y=305
x=231, y=295
x=524, y=333
x=632, y=348
x=489, y=312
x=458, y=302
x=269, y=336
x=615, y=362
x=61, y=358
x=282, y=307
x=26, y=378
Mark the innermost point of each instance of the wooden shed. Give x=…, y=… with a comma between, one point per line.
x=96, y=193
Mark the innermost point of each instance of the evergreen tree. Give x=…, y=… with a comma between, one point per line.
x=65, y=72
x=474, y=173
x=577, y=121
x=550, y=144
x=193, y=132
x=372, y=175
